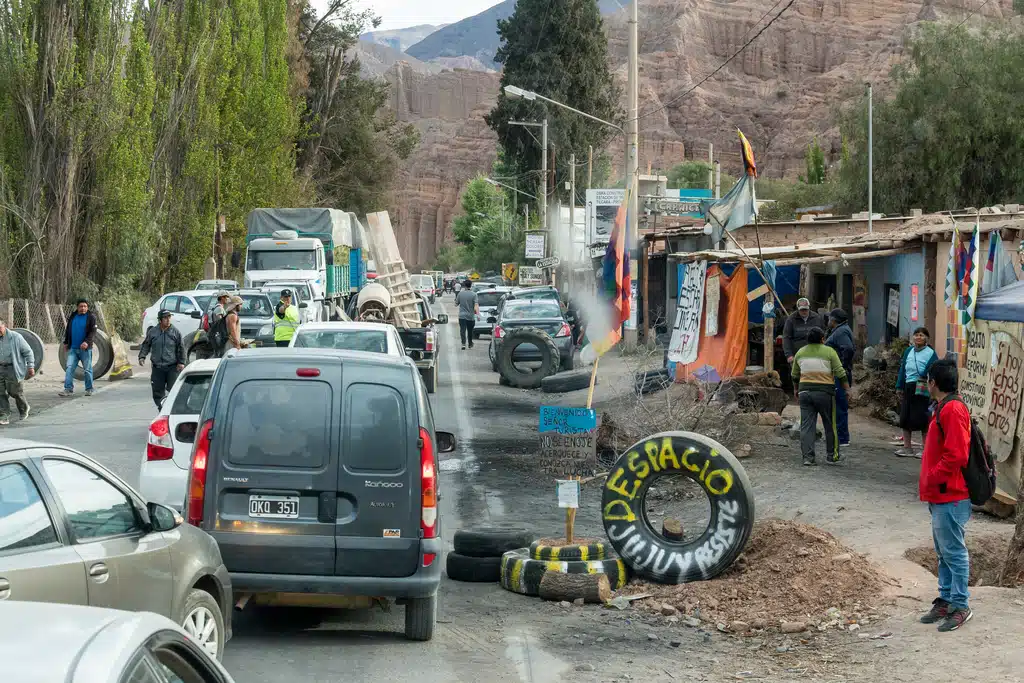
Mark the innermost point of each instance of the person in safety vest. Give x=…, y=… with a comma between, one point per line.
x=286, y=319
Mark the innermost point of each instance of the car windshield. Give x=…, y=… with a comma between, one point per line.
x=373, y=341
x=256, y=306
x=488, y=299
x=203, y=301
x=422, y=282
x=281, y=260
x=538, y=294
x=523, y=310
x=300, y=293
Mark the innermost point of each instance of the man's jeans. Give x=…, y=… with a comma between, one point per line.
x=812, y=404
x=466, y=331
x=76, y=356
x=842, y=414
x=948, y=521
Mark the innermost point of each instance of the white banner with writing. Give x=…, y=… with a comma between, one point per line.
x=686, y=331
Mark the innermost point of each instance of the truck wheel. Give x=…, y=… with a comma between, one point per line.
x=549, y=357
x=420, y=617
x=430, y=378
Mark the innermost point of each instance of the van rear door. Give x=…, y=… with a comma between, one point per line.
x=378, y=485
x=273, y=472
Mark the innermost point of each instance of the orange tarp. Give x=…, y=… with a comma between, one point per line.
x=727, y=351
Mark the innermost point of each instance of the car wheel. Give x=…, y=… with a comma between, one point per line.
x=204, y=622
x=420, y=617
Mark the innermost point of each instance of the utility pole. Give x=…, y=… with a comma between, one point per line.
x=871, y=162
x=590, y=168
x=711, y=165
x=718, y=179
x=544, y=177
x=633, y=176
x=572, y=211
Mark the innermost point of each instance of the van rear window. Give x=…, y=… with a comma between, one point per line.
x=375, y=440
x=279, y=423
x=192, y=394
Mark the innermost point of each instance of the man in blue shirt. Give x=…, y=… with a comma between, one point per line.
x=79, y=334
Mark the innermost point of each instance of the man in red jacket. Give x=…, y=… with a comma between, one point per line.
x=942, y=486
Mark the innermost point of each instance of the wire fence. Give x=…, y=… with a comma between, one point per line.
x=49, y=321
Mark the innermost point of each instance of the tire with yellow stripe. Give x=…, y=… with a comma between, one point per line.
x=520, y=573
x=546, y=549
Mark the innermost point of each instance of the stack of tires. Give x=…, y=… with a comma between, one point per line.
x=523, y=569
x=478, y=552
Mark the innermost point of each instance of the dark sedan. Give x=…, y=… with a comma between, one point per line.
x=544, y=314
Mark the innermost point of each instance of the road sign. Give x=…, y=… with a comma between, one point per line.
x=549, y=262
x=671, y=206
x=530, y=275
x=474, y=276
x=510, y=271
x=535, y=244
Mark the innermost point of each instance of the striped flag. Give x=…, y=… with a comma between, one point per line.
x=951, y=296
x=969, y=285
x=999, y=270
x=617, y=281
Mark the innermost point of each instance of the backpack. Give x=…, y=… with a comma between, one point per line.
x=980, y=471
x=218, y=334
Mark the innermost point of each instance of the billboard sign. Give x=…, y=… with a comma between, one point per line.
x=602, y=207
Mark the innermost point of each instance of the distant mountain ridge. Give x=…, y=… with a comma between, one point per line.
x=401, y=38
x=477, y=36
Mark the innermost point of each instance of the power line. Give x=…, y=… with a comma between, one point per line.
x=723, y=64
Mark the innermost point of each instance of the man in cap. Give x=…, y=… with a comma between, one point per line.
x=286, y=319
x=168, y=353
x=220, y=310
x=17, y=362
x=798, y=324
x=840, y=338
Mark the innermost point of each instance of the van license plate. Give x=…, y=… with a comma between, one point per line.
x=274, y=507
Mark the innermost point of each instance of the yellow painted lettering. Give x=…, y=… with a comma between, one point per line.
x=652, y=454
x=726, y=482
x=640, y=468
x=704, y=470
x=624, y=513
x=668, y=454
x=686, y=459
x=616, y=485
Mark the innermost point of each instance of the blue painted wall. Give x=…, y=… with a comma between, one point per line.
x=904, y=270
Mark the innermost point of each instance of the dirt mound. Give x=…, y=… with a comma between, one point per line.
x=987, y=552
x=789, y=572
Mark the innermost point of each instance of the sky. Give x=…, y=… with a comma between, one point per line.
x=405, y=13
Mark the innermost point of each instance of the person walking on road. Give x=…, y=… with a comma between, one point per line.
x=816, y=368
x=468, y=308
x=286, y=319
x=947, y=446
x=17, y=363
x=840, y=338
x=165, y=345
x=79, y=337
x=798, y=324
x=912, y=388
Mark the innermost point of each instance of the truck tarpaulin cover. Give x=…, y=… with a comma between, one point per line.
x=325, y=224
x=726, y=352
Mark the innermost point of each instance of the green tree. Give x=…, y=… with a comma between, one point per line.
x=949, y=135
x=557, y=48
x=694, y=175
x=489, y=233
x=814, y=159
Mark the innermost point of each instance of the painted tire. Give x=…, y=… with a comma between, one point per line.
x=649, y=554
x=522, y=574
x=591, y=550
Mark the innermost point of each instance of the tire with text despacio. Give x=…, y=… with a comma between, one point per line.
x=647, y=552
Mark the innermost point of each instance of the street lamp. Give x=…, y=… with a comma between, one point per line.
x=514, y=189
x=513, y=92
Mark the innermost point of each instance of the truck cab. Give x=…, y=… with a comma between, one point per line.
x=287, y=257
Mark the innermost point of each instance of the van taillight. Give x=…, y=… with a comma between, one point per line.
x=197, y=475
x=430, y=340
x=428, y=486
x=159, y=445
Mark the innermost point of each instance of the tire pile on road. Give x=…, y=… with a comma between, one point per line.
x=554, y=570
x=478, y=552
x=551, y=377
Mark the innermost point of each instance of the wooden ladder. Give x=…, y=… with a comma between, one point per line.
x=391, y=271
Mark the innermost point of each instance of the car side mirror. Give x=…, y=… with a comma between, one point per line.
x=198, y=315
x=445, y=442
x=303, y=305
x=442, y=318
x=163, y=518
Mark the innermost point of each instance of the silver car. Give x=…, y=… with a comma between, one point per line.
x=49, y=642
x=73, y=532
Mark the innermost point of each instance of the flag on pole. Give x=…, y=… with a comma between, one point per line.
x=969, y=285
x=739, y=206
x=749, y=167
x=617, y=281
x=999, y=270
x=951, y=294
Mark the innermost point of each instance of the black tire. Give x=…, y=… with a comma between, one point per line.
x=430, y=378
x=476, y=335
x=420, y=618
x=522, y=574
x=200, y=602
x=651, y=381
x=549, y=357
x=102, y=360
x=491, y=541
x=567, y=364
x=494, y=366
x=566, y=381
x=36, y=344
x=592, y=550
x=634, y=537
x=503, y=381
x=473, y=569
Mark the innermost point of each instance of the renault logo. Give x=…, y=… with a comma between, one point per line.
x=383, y=484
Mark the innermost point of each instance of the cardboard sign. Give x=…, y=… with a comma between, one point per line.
x=568, y=441
x=974, y=375
x=713, y=294
x=568, y=493
x=1005, y=382
x=686, y=331
x=757, y=293
x=892, y=316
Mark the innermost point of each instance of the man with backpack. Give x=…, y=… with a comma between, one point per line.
x=944, y=486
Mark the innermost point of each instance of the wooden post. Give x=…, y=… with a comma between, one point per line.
x=9, y=316
x=28, y=325
x=49, y=325
x=769, y=338
x=644, y=264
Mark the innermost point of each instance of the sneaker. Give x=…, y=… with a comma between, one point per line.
x=88, y=392
x=66, y=394
x=834, y=459
x=844, y=443
x=810, y=462
x=905, y=453
x=463, y=347
x=956, y=619
x=5, y=420
x=938, y=612
x=28, y=409
x=470, y=346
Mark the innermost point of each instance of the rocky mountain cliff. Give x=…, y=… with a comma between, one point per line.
x=781, y=91
x=401, y=38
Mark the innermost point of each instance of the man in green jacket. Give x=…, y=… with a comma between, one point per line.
x=286, y=319
x=816, y=368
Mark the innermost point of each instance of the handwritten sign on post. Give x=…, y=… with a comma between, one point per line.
x=974, y=378
x=1005, y=383
x=568, y=441
x=683, y=346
